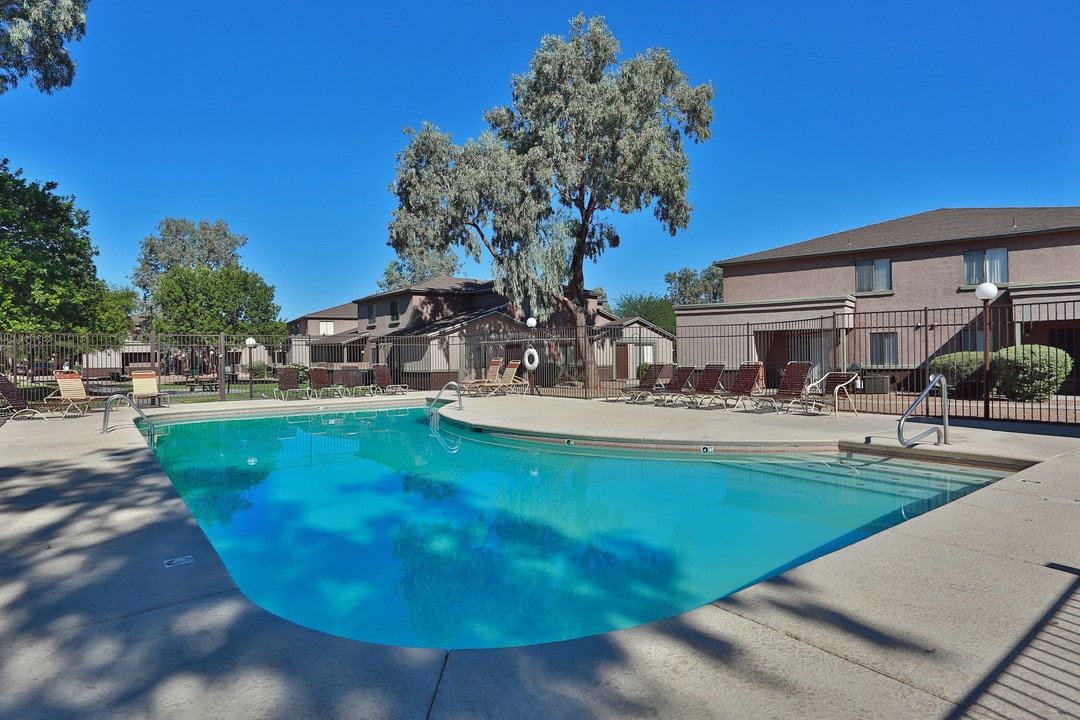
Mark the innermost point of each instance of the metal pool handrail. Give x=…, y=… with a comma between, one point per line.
x=108, y=406
x=943, y=431
x=457, y=386
x=433, y=418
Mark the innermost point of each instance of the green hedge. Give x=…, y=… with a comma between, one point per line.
x=962, y=370
x=1030, y=373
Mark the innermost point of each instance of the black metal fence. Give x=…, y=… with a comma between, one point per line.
x=894, y=352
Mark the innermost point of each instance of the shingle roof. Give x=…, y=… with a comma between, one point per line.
x=437, y=285
x=936, y=226
x=345, y=310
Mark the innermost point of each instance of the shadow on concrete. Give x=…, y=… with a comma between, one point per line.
x=93, y=623
x=1039, y=677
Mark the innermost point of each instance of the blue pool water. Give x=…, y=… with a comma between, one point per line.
x=363, y=525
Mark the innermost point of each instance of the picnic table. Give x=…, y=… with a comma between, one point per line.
x=206, y=382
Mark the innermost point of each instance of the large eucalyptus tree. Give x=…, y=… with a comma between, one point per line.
x=587, y=136
x=32, y=37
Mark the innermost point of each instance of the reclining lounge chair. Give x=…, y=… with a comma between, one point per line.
x=14, y=403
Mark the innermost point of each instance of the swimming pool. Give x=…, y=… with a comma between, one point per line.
x=361, y=524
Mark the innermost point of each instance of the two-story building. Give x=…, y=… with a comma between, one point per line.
x=890, y=295
x=448, y=328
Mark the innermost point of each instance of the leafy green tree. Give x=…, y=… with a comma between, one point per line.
x=654, y=308
x=586, y=136
x=689, y=287
x=49, y=280
x=213, y=300
x=116, y=305
x=183, y=243
x=32, y=37
x=418, y=266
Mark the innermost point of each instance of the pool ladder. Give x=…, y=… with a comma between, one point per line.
x=433, y=418
x=108, y=406
x=943, y=431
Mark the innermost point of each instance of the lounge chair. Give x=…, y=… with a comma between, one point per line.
x=792, y=389
x=509, y=383
x=289, y=384
x=674, y=391
x=71, y=397
x=384, y=382
x=352, y=380
x=320, y=385
x=746, y=386
x=706, y=388
x=144, y=386
x=650, y=381
x=827, y=391
x=13, y=403
x=494, y=370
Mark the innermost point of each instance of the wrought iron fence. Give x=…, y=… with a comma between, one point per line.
x=894, y=353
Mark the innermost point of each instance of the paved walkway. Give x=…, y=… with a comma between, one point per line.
x=972, y=610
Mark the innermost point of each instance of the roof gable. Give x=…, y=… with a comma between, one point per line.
x=936, y=226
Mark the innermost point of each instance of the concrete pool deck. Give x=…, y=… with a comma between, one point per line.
x=970, y=611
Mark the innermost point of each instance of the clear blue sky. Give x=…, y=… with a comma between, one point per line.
x=284, y=118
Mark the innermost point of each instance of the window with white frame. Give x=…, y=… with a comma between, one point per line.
x=395, y=314
x=371, y=313
x=986, y=265
x=873, y=275
x=326, y=327
x=883, y=349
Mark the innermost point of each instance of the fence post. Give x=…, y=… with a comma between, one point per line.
x=222, y=380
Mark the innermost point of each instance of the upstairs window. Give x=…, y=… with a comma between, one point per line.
x=989, y=265
x=326, y=327
x=395, y=315
x=371, y=314
x=873, y=275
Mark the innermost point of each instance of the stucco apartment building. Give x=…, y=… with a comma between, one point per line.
x=447, y=328
x=890, y=295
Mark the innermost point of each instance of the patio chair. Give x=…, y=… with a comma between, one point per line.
x=746, y=386
x=289, y=384
x=352, y=380
x=827, y=391
x=13, y=403
x=704, y=392
x=674, y=391
x=384, y=382
x=71, y=396
x=509, y=383
x=494, y=370
x=792, y=389
x=650, y=381
x=320, y=385
x=144, y=386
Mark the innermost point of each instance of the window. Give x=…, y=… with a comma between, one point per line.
x=326, y=327
x=989, y=265
x=883, y=349
x=873, y=275
x=972, y=340
x=371, y=314
x=394, y=314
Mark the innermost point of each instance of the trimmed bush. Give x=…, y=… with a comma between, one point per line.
x=1030, y=373
x=962, y=370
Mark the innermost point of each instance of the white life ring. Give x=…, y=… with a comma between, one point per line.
x=531, y=359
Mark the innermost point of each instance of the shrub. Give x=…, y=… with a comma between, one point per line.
x=1030, y=373
x=642, y=369
x=962, y=370
x=259, y=369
